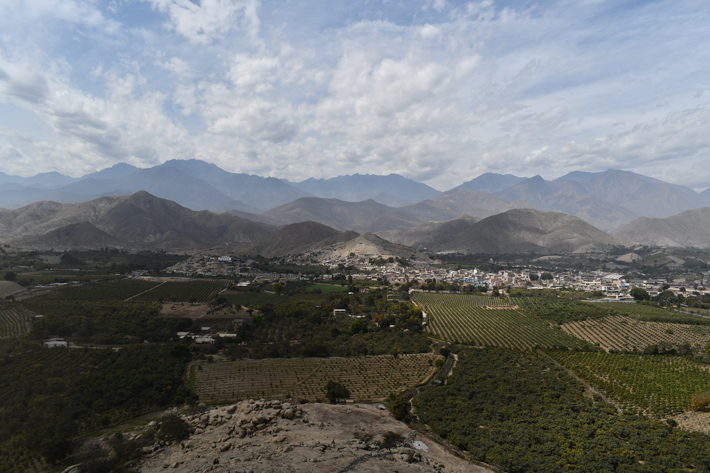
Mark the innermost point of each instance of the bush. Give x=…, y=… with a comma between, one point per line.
x=173, y=427
x=391, y=440
x=700, y=401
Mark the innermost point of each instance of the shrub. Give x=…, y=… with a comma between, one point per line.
x=173, y=427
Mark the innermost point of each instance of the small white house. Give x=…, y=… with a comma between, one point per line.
x=55, y=343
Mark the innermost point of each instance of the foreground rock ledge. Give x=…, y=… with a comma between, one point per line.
x=270, y=436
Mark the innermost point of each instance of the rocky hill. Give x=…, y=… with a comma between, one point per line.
x=687, y=229
x=514, y=231
x=139, y=221
x=297, y=238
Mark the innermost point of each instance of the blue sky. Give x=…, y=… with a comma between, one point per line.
x=436, y=90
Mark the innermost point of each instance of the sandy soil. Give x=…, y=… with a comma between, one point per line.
x=258, y=436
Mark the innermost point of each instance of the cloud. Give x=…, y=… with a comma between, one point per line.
x=210, y=19
x=440, y=93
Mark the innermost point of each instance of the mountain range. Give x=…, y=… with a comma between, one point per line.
x=143, y=221
x=607, y=200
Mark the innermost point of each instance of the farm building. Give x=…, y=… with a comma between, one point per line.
x=55, y=343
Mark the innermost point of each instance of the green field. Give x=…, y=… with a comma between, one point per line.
x=560, y=310
x=658, y=385
x=463, y=318
x=327, y=288
x=368, y=378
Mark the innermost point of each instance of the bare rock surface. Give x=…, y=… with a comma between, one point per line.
x=271, y=436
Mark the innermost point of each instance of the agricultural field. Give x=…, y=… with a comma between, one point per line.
x=22, y=460
x=626, y=333
x=651, y=313
x=459, y=300
x=14, y=321
x=255, y=299
x=368, y=378
x=109, y=291
x=561, y=310
x=659, y=386
x=463, y=318
x=189, y=290
x=327, y=288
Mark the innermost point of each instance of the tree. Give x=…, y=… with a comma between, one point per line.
x=547, y=277
x=400, y=409
x=278, y=287
x=334, y=391
x=391, y=440
x=10, y=276
x=639, y=294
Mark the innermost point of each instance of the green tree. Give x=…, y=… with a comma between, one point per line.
x=334, y=391
x=639, y=294
x=278, y=287
x=10, y=276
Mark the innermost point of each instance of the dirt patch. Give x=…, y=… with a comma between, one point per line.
x=259, y=436
x=201, y=311
x=8, y=288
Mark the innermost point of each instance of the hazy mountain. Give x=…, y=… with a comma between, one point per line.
x=516, y=231
x=687, y=229
x=48, y=179
x=367, y=216
x=139, y=221
x=259, y=193
x=115, y=171
x=165, y=182
x=579, y=176
x=389, y=190
x=568, y=197
x=490, y=182
x=431, y=234
x=457, y=202
x=706, y=193
x=641, y=194
x=297, y=238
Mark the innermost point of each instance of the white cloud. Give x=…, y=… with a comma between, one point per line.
x=210, y=19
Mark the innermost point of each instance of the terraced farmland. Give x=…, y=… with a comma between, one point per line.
x=658, y=385
x=198, y=290
x=368, y=378
x=14, y=321
x=462, y=318
x=626, y=333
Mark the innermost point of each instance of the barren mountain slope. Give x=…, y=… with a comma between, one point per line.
x=140, y=221
x=687, y=229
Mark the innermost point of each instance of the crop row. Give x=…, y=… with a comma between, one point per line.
x=14, y=321
x=458, y=300
x=367, y=378
x=20, y=460
x=495, y=327
x=625, y=333
x=658, y=385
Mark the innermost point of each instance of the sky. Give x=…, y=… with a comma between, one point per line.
x=439, y=91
